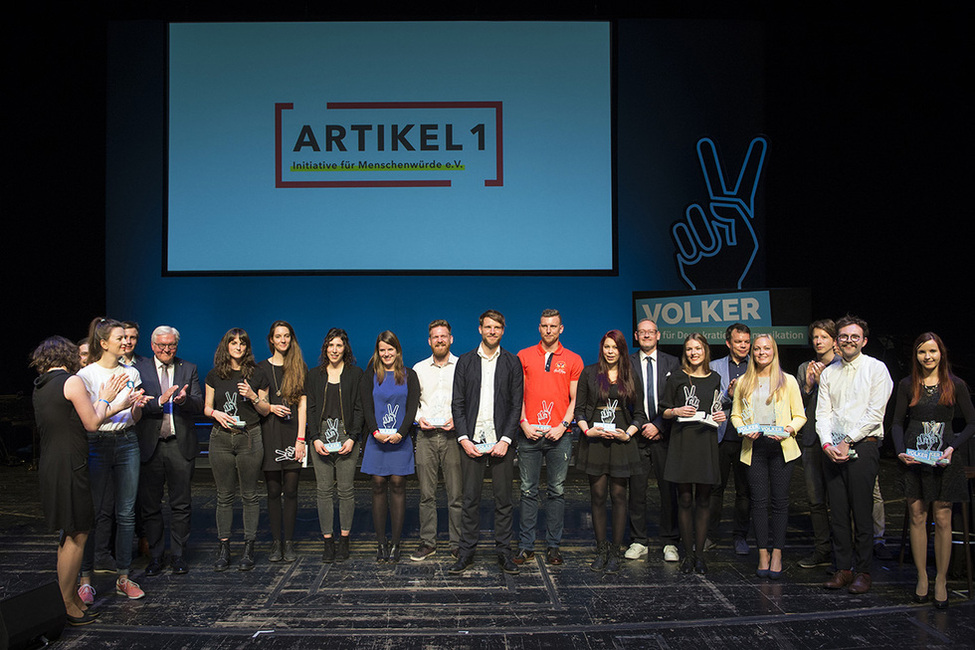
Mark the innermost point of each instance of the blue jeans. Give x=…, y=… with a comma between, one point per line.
x=530, y=456
x=113, y=460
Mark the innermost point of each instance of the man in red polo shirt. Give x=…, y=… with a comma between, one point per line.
x=551, y=377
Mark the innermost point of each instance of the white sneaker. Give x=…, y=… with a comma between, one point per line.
x=636, y=551
x=671, y=554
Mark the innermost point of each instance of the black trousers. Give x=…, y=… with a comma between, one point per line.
x=167, y=468
x=502, y=475
x=850, y=489
x=729, y=453
x=654, y=455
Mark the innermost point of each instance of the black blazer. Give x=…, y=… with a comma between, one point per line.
x=667, y=364
x=509, y=385
x=184, y=373
x=369, y=405
x=315, y=382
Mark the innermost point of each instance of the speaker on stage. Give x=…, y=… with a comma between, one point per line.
x=33, y=618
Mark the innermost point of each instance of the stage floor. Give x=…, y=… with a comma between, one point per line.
x=359, y=604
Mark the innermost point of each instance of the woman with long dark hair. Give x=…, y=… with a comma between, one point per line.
x=765, y=395
x=609, y=412
x=334, y=426
x=927, y=403
x=64, y=412
x=236, y=445
x=692, y=397
x=283, y=433
x=390, y=396
x=113, y=452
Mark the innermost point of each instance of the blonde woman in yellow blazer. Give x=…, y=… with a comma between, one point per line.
x=766, y=395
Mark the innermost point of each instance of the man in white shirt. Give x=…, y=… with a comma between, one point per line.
x=486, y=404
x=436, y=442
x=852, y=400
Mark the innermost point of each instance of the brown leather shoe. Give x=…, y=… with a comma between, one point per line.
x=840, y=579
x=861, y=584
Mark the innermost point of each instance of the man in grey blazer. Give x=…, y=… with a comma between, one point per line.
x=653, y=367
x=168, y=446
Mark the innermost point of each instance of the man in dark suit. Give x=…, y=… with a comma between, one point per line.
x=486, y=405
x=653, y=367
x=168, y=446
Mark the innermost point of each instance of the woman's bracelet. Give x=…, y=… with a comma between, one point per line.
x=102, y=399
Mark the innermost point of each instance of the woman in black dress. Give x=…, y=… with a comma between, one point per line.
x=692, y=456
x=927, y=402
x=283, y=431
x=64, y=412
x=609, y=412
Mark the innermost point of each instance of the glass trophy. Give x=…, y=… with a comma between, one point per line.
x=388, y=426
x=230, y=408
x=607, y=416
x=332, y=434
x=484, y=440
x=440, y=411
x=715, y=409
x=928, y=443
x=691, y=399
x=840, y=427
x=543, y=417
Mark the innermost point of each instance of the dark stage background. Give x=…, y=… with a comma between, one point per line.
x=866, y=117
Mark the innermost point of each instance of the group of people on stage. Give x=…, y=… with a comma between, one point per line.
x=119, y=430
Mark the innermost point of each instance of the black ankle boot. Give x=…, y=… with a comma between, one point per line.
x=223, y=556
x=290, y=555
x=602, y=557
x=247, y=559
x=328, y=555
x=613, y=559
x=275, y=554
x=343, y=551
x=382, y=551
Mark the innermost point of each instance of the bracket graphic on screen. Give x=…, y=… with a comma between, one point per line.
x=280, y=107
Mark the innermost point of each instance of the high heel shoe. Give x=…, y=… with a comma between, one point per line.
x=762, y=573
x=687, y=564
x=382, y=551
x=919, y=598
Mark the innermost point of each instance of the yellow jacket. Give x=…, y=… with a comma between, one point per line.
x=788, y=413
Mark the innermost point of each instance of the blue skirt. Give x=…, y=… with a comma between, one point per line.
x=388, y=459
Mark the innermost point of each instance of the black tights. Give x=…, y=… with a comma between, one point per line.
x=693, y=512
x=388, y=492
x=598, y=486
x=282, y=501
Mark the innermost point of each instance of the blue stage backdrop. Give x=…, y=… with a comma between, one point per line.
x=691, y=160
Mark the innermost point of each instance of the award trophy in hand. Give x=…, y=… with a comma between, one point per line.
x=544, y=416
x=691, y=399
x=331, y=435
x=928, y=449
x=607, y=416
x=230, y=408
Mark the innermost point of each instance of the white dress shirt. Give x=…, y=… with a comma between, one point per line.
x=852, y=400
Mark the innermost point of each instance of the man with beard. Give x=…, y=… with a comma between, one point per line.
x=436, y=443
x=488, y=385
x=850, y=423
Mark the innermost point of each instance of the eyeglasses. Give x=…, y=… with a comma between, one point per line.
x=852, y=338
x=645, y=333
x=165, y=346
